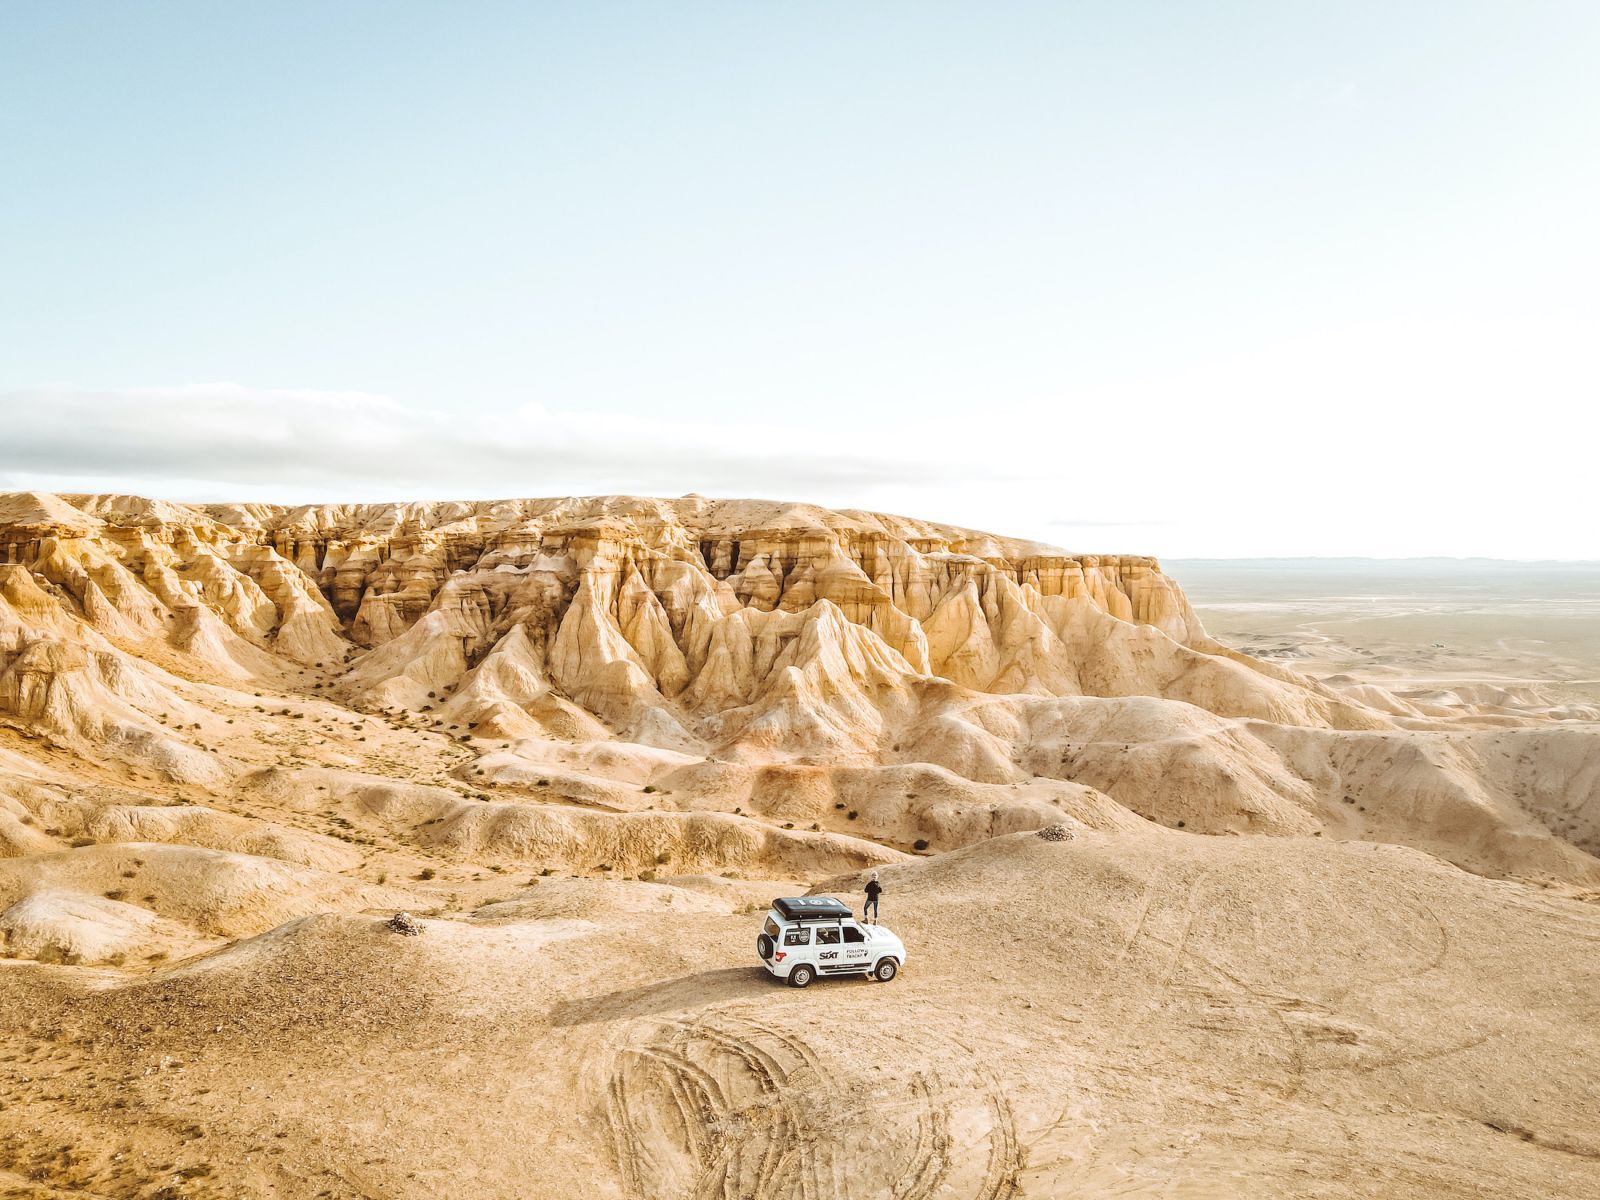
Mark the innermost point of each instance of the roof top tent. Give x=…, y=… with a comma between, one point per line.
x=811, y=908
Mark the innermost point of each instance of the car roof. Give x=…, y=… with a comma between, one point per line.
x=810, y=908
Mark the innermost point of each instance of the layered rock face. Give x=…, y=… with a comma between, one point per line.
x=778, y=658
x=666, y=619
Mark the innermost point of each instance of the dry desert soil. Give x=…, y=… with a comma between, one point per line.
x=1321, y=920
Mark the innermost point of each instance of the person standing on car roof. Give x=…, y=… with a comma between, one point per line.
x=874, y=889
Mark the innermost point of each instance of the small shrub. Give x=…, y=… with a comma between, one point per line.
x=840, y=804
x=920, y=844
x=116, y=894
x=852, y=814
x=649, y=788
x=426, y=873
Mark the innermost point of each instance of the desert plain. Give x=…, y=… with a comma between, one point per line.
x=1316, y=912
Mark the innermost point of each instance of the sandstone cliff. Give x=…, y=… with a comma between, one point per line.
x=667, y=619
x=786, y=663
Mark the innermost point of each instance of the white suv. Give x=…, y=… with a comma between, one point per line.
x=807, y=936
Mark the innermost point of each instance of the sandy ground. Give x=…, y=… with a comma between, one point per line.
x=1413, y=625
x=1252, y=965
x=1130, y=1014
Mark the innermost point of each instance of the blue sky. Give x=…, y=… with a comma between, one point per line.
x=1188, y=279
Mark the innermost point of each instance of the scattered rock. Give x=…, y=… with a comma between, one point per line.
x=1057, y=833
x=405, y=923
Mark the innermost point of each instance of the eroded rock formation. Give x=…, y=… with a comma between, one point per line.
x=710, y=643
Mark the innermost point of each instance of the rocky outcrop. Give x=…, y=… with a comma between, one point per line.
x=685, y=624
x=834, y=673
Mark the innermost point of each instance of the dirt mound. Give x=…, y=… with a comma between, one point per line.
x=195, y=825
x=209, y=891
x=52, y=925
x=592, y=899
x=630, y=843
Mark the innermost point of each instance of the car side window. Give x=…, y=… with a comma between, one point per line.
x=827, y=937
x=852, y=934
x=797, y=937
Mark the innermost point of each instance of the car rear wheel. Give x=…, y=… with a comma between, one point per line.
x=764, y=946
x=801, y=976
x=885, y=970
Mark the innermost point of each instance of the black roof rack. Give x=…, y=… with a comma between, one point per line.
x=811, y=908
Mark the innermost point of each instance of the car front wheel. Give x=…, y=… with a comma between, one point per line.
x=885, y=970
x=801, y=976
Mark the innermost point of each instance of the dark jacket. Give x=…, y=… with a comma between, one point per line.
x=873, y=889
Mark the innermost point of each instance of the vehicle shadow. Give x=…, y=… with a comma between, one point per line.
x=670, y=995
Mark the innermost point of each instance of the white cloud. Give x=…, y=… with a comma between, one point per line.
x=223, y=441
x=1365, y=440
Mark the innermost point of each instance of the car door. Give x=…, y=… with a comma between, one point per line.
x=857, y=955
x=830, y=950
x=796, y=945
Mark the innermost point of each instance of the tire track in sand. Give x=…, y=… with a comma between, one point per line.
x=725, y=1108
